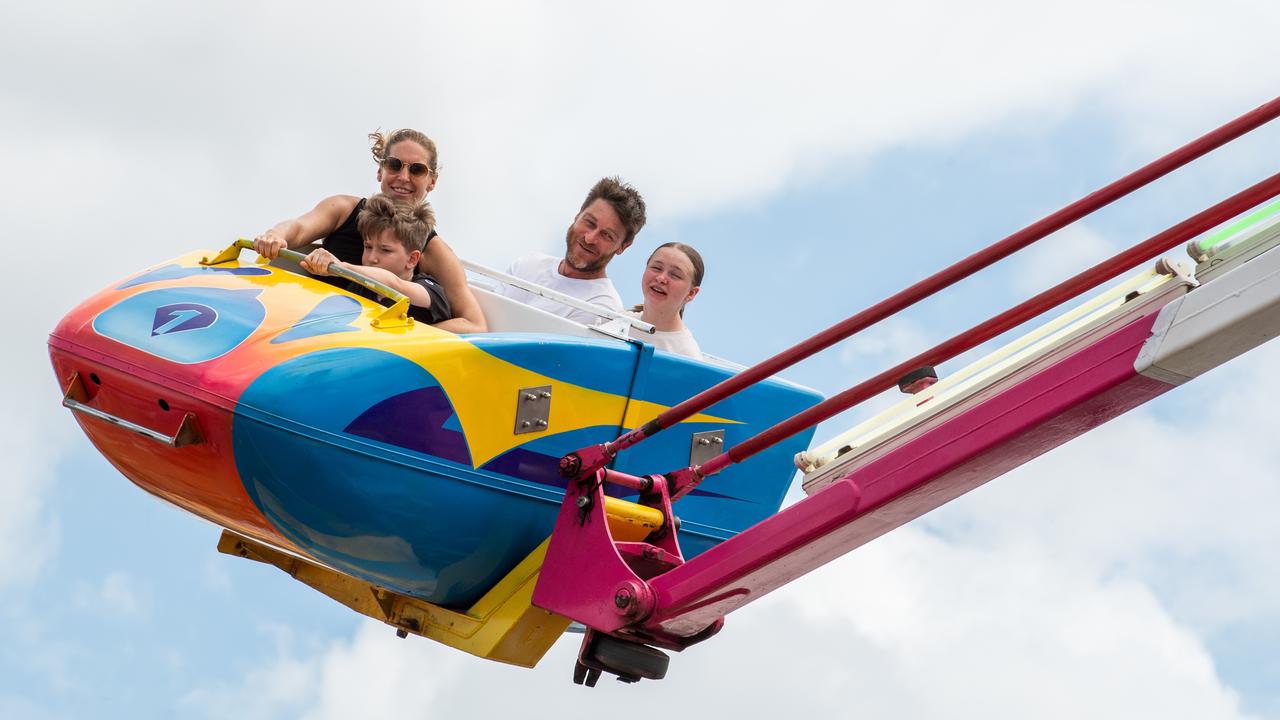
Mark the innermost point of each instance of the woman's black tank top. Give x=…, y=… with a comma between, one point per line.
x=346, y=244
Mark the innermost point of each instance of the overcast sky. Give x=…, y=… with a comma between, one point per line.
x=822, y=156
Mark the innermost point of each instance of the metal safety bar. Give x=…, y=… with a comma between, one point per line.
x=335, y=270
x=548, y=293
x=396, y=316
x=592, y=458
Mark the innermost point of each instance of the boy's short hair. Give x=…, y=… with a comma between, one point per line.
x=411, y=224
x=624, y=199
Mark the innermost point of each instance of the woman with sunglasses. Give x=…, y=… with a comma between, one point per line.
x=407, y=171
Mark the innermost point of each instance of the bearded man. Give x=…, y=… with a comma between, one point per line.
x=605, y=226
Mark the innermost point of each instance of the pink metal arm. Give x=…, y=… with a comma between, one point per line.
x=1093, y=385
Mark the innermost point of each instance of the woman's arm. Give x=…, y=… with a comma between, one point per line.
x=312, y=225
x=439, y=262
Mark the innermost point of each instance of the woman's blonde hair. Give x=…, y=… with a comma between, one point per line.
x=382, y=144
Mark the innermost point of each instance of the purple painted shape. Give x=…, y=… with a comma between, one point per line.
x=1092, y=385
x=415, y=421
x=180, y=317
x=527, y=465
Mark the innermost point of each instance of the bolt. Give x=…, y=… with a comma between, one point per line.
x=525, y=423
x=570, y=465
x=703, y=441
x=541, y=423
x=530, y=396
x=582, y=501
x=623, y=598
x=546, y=394
x=402, y=633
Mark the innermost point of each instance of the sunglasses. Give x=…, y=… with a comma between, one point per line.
x=394, y=164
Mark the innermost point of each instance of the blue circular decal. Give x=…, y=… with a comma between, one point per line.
x=185, y=325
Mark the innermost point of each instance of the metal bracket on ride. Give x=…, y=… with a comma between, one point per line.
x=683, y=481
x=533, y=409
x=77, y=397
x=590, y=577
x=705, y=445
x=232, y=252
x=587, y=461
x=393, y=317
x=1183, y=270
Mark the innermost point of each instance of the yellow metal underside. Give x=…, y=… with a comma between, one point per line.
x=502, y=625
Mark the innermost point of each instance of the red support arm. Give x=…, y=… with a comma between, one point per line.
x=685, y=480
x=592, y=458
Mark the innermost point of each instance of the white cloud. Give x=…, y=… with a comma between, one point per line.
x=120, y=594
x=1062, y=255
x=271, y=687
x=910, y=626
x=16, y=707
x=30, y=437
x=215, y=575
x=117, y=594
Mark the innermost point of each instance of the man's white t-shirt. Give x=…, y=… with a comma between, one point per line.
x=680, y=342
x=545, y=271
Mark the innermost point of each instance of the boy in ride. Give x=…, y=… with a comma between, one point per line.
x=394, y=236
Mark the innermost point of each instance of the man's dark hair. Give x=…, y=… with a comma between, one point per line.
x=625, y=201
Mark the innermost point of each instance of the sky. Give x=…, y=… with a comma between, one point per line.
x=821, y=156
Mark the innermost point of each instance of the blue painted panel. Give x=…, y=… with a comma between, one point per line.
x=356, y=455
x=175, y=272
x=333, y=314
x=603, y=365
x=184, y=325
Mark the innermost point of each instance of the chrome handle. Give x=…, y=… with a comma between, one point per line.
x=187, y=433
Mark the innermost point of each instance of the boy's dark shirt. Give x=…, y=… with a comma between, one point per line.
x=439, y=310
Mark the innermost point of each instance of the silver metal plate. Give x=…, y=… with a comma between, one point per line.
x=533, y=409
x=705, y=445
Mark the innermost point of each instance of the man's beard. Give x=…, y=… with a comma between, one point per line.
x=583, y=267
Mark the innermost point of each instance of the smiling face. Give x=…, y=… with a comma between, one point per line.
x=595, y=236
x=667, y=282
x=385, y=250
x=402, y=185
